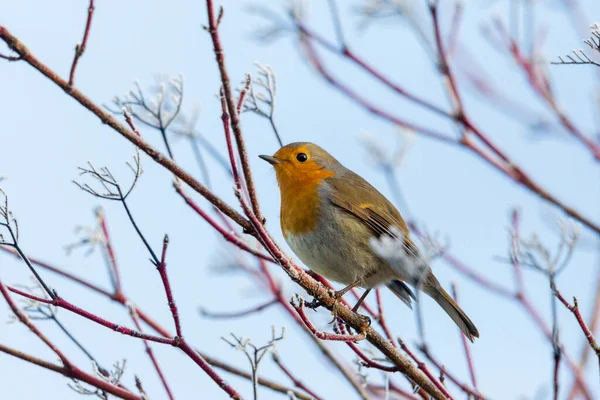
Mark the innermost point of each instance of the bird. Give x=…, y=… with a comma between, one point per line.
x=329, y=215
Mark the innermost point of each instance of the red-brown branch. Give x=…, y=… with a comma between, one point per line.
x=464, y=387
x=497, y=159
x=297, y=382
x=582, y=324
x=363, y=102
x=392, y=389
x=423, y=367
x=59, y=302
x=162, y=270
x=176, y=341
x=521, y=297
x=465, y=270
x=466, y=347
x=17, y=46
x=339, y=329
x=112, y=259
x=4, y=290
x=541, y=86
x=276, y=290
x=92, y=286
x=230, y=235
x=457, y=17
x=345, y=52
x=323, y=295
x=80, y=48
x=72, y=372
x=338, y=337
x=592, y=325
x=213, y=30
x=381, y=317
x=243, y=94
x=68, y=368
x=124, y=301
x=135, y=318
x=254, y=226
x=10, y=58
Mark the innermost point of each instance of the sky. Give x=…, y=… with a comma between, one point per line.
x=46, y=136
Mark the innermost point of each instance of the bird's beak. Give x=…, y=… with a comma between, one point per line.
x=270, y=159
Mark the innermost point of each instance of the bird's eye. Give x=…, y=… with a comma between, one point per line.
x=301, y=157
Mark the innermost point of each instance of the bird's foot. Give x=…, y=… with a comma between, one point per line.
x=314, y=304
x=365, y=322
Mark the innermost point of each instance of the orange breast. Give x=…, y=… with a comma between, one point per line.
x=300, y=203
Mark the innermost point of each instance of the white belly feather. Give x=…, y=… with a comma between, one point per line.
x=321, y=258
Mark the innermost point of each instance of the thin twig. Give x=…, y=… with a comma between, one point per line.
x=466, y=347
x=299, y=306
x=162, y=270
x=73, y=373
x=237, y=314
x=124, y=301
x=463, y=386
x=230, y=236
x=80, y=48
x=109, y=120
x=582, y=324
x=297, y=382
x=135, y=318
x=213, y=30
x=255, y=226
x=110, y=252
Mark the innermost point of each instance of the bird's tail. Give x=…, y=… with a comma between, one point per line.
x=436, y=292
x=403, y=292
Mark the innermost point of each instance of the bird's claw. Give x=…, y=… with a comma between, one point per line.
x=314, y=304
x=365, y=321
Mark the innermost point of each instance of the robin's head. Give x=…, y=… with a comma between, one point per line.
x=302, y=163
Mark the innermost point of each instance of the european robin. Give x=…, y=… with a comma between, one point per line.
x=328, y=216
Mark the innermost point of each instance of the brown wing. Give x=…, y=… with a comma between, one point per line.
x=356, y=196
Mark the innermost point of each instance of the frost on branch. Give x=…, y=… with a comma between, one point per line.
x=255, y=354
x=112, y=377
x=278, y=25
x=259, y=94
x=371, y=10
x=262, y=92
x=8, y=221
x=35, y=310
x=578, y=56
x=158, y=111
x=108, y=187
x=379, y=151
x=531, y=252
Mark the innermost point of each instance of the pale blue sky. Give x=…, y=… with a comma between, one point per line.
x=45, y=135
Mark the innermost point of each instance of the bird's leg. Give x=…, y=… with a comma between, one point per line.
x=338, y=294
x=360, y=301
x=366, y=321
